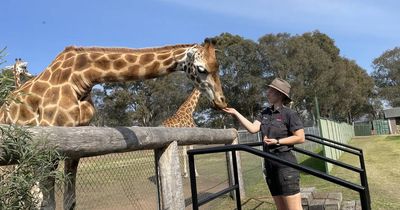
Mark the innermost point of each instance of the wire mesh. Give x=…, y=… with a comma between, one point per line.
x=116, y=181
x=127, y=180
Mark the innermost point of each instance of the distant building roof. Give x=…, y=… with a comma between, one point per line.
x=391, y=113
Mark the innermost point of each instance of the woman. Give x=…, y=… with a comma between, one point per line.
x=281, y=128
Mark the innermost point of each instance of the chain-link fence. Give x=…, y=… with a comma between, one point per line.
x=127, y=180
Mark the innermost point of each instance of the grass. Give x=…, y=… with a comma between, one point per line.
x=126, y=180
x=382, y=159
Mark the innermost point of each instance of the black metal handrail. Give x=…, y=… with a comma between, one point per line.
x=364, y=193
x=322, y=140
x=346, y=148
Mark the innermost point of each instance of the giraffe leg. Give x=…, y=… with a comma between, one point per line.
x=70, y=169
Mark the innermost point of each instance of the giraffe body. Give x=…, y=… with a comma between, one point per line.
x=182, y=118
x=60, y=95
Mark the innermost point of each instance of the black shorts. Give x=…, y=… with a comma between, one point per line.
x=282, y=180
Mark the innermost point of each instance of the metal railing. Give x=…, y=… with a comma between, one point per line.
x=361, y=189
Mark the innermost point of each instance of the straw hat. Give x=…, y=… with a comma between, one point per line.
x=281, y=86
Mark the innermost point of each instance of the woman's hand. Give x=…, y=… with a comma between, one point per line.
x=270, y=141
x=231, y=111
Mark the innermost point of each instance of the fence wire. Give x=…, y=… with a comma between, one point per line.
x=127, y=180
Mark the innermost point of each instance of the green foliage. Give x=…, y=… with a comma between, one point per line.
x=387, y=76
x=6, y=80
x=312, y=65
x=36, y=161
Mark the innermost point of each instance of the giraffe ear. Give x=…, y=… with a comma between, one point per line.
x=210, y=41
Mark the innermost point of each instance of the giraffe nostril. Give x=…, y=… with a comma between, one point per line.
x=222, y=99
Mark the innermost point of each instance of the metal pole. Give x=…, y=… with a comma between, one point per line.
x=364, y=181
x=193, y=185
x=235, y=174
x=318, y=118
x=364, y=200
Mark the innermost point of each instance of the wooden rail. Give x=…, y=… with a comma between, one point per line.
x=86, y=141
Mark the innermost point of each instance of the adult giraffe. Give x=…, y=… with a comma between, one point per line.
x=60, y=95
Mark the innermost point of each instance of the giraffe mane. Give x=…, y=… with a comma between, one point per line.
x=126, y=50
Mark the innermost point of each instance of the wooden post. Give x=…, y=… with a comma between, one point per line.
x=47, y=189
x=70, y=169
x=170, y=178
x=230, y=171
x=87, y=141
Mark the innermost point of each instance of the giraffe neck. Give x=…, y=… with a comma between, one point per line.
x=17, y=80
x=91, y=66
x=190, y=104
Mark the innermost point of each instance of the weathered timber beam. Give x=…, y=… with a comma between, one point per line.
x=86, y=141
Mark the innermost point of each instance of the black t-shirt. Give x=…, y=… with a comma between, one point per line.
x=278, y=124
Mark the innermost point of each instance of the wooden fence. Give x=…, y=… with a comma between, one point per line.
x=77, y=142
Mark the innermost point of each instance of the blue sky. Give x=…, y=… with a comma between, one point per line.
x=37, y=31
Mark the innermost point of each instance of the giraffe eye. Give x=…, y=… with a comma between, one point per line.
x=201, y=69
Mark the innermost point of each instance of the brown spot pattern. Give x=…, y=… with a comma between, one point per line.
x=119, y=64
x=68, y=55
x=52, y=94
x=131, y=58
x=163, y=56
x=56, y=65
x=132, y=73
x=45, y=75
x=25, y=114
x=179, y=51
x=68, y=63
x=68, y=99
x=153, y=67
x=103, y=63
x=39, y=88
x=168, y=62
x=178, y=57
x=61, y=118
x=114, y=56
x=94, y=56
x=49, y=112
x=82, y=62
x=110, y=77
x=146, y=58
x=91, y=75
x=33, y=101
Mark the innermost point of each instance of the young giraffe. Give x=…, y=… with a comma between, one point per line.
x=19, y=68
x=183, y=117
x=60, y=95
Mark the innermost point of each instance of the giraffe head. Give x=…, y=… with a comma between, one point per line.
x=201, y=66
x=21, y=67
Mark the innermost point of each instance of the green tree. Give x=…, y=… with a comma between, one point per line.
x=387, y=76
x=241, y=77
